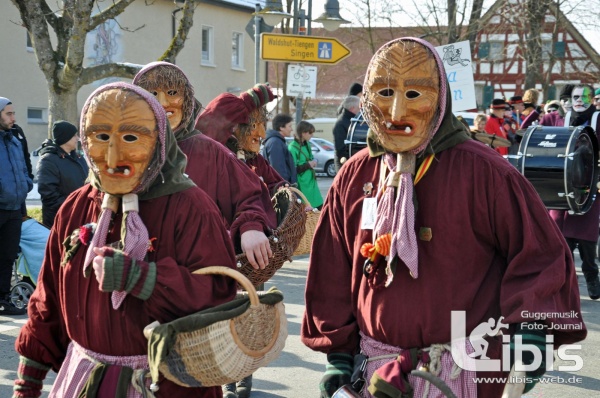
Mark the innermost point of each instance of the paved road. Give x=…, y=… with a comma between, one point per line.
x=296, y=373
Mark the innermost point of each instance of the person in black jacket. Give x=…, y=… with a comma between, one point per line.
x=351, y=107
x=60, y=170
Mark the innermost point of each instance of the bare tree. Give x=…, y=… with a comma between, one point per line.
x=62, y=64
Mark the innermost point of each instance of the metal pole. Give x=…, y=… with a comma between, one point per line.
x=256, y=45
x=299, y=113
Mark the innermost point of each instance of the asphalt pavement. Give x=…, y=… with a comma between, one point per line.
x=297, y=371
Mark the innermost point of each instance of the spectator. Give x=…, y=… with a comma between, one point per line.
x=20, y=135
x=306, y=163
x=275, y=148
x=60, y=171
x=351, y=107
x=356, y=90
x=479, y=123
x=531, y=113
x=14, y=186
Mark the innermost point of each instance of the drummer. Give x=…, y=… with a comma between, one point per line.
x=495, y=123
x=582, y=230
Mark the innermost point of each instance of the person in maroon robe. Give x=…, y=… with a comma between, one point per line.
x=121, y=255
x=426, y=230
x=235, y=189
x=239, y=123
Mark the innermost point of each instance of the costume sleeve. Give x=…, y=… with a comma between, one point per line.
x=329, y=323
x=49, y=183
x=202, y=240
x=540, y=272
x=242, y=188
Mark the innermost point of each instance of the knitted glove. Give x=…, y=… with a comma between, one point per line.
x=31, y=375
x=123, y=273
x=532, y=334
x=337, y=373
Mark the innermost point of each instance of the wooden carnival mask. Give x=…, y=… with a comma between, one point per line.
x=250, y=136
x=121, y=134
x=401, y=94
x=171, y=88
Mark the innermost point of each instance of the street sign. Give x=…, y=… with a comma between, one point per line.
x=301, y=80
x=304, y=49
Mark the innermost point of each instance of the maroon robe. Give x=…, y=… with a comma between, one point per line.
x=269, y=176
x=486, y=246
x=235, y=189
x=190, y=234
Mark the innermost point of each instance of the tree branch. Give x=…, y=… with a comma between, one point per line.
x=110, y=13
x=116, y=69
x=177, y=43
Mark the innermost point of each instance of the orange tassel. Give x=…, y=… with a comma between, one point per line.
x=383, y=244
x=366, y=249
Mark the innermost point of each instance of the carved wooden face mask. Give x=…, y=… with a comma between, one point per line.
x=121, y=135
x=250, y=136
x=401, y=95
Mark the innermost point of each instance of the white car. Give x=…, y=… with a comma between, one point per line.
x=469, y=117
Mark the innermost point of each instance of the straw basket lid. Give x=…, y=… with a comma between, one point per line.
x=219, y=345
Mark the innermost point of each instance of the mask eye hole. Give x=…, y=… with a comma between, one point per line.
x=130, y=138
x=172, y=92
x=103, y=137
x=154, y=93
x=386, y=92
x=411, y=94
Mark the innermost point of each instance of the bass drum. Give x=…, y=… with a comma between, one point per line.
x=562, y=165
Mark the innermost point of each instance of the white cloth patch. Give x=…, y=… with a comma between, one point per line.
x=369, y=213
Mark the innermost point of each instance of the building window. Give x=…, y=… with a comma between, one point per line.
x=208, y=45
x=237, y=50
x=546, y=49
x=37, y=115
x=496, y=51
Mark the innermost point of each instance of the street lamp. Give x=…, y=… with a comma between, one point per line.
x=331, y=19
x=273, y=12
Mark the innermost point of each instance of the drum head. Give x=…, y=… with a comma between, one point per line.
x=583, y=172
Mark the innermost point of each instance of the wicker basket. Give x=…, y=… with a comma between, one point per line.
x=219, y=345
x=285, y=238
x=312, y=218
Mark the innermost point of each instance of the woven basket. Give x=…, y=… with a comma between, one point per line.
x=235, y=338
x=312, y=218
x=284, y=239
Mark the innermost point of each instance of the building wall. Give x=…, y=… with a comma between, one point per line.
x=150, y=31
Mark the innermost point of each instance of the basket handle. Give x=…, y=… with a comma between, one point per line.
x=299, y=193
x=238, y=276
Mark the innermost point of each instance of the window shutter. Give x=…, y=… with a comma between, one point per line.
x=484, y=50
x=559, y=49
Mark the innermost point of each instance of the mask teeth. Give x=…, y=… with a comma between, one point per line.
x=126, y=172
x=111, y=171
x=388, y=125
x=407, y=130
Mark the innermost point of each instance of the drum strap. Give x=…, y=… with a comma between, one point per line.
x=595, y=120
x=567, y=119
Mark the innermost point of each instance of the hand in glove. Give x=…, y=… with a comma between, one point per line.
x=116, y=271
x=31, y=375
x=531, y=337
x=337, y=373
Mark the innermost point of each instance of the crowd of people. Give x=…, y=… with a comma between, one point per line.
x=165, y=187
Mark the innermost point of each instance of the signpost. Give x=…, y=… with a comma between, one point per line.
x=302, y=49
x=301, y=81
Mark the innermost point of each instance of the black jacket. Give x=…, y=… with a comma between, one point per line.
x=340, y=131
x=59, y=174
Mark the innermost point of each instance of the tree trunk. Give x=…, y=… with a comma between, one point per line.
x=536, y=9
x=62, y=106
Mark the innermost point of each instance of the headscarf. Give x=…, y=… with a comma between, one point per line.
x=164, y=176
x=166, y=73
x=396, y=212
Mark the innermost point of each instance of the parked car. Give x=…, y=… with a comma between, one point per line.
x=323, y=152
x=468, y=117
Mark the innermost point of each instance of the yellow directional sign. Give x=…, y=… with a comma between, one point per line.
x=302, y=49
